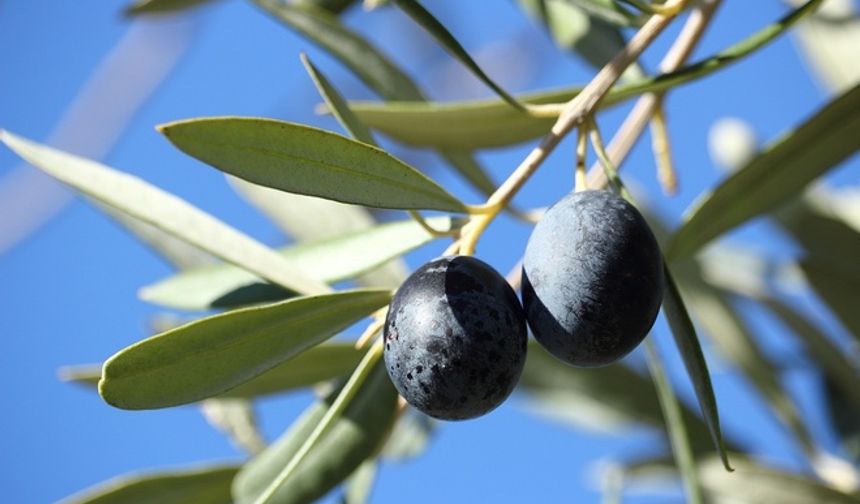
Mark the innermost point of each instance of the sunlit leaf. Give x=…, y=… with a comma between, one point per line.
x=209, y=485
x=777, y=174
x=755, y=484
x=161, y=6
x=423, y=17
x=332, y=260
x=166, y=212
x=354, y=437
x=310, y=161
x=212, y=355
x=687, y=342
x=459, y=125
x=323, y=362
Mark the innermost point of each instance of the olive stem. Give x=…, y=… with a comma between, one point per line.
x=417, y=217
x=574, y=114
x=662, y=147
x=581, y=183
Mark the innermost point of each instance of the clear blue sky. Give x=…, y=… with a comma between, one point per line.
x=68, y=292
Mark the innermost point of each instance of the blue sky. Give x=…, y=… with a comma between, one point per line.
x=68, y=291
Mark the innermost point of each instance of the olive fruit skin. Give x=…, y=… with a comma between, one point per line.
x=455, y=338
x=592, y=279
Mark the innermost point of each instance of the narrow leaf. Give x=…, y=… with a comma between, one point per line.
x=354, y=436
x=777, y=174
x=469, y=125
x=209, y=485
x=323, y=362
x=734, y=340
x=687, y=342
x=426, y=20
x=161, y=6
x=678, y=437
x=753, y=483
x=212, y=355
x=337, y=105
x=332, y=260
x=304, y=160
x=370, y=65
x=164, y=211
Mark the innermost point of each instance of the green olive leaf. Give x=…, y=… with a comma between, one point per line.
x=207, y=485
x=344, y=257
x=780, y=172
x=688, y=345
x=323, y=362
x=304, y=160
x=165, y=211
x=210, y=356
x=354, y=436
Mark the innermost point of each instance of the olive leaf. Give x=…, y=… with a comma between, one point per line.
x=688, y=345
x=210, y=356
x=301, y=159
x=323, y=362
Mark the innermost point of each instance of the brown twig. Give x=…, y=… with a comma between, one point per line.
x=643, y=111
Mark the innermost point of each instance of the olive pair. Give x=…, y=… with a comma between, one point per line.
x=455, y=334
